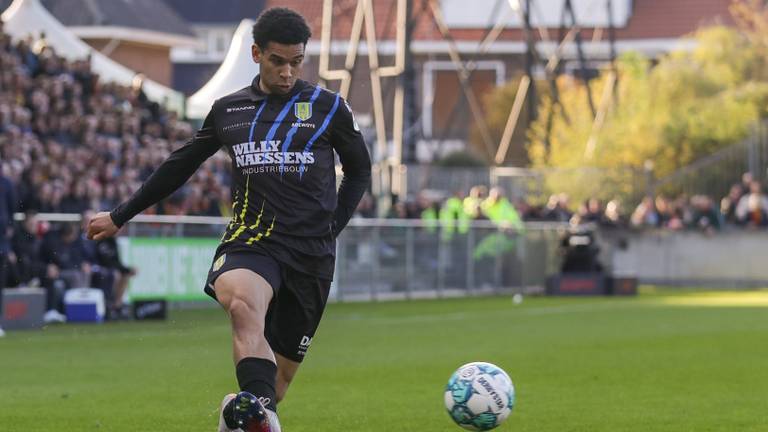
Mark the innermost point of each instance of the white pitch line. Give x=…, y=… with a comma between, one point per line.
x=513, y=311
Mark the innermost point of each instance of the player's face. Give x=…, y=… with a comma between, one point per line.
x=280, y=66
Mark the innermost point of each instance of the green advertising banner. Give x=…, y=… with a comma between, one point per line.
x=171, y=268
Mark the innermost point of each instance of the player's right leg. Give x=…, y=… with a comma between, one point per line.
x=246, y=295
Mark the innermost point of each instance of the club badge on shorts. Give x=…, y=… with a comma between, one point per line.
x=219, y=262
x=302, y=110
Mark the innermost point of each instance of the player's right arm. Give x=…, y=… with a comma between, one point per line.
x=168, y=177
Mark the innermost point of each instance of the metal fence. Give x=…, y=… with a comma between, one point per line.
x=410, y=259
x=715, y=174
x=403, y=259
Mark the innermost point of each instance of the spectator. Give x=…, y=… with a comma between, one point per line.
x=665, y=210
x=704, y=215
x=556, y=209
x=728, y=204
x=613, y=218
x=472, y=202
x=746, y=182
x=453, y=217
x=430, y=213
x=398, y=210
x=498, y=209
x=590, y=211
x=7, y=208
x=27, y=267
x=78, y=142
x=678, y=214
x=366, y=208
x=752, y=210
x=503, y=214
x=66, y=267
x=107, y=271
x=645, y=215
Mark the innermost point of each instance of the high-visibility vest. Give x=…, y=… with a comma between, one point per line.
x=430, y=219
x=502, y=212
x=453, y=217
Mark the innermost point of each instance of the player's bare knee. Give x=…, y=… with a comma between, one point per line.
x=237, y=307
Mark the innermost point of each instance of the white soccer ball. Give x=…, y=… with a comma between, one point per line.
x=479, y=396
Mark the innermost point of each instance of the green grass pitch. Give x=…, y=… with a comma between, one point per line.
x=659, y=362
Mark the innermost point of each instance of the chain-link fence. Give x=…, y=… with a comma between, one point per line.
x=715, y=174
x=409, y=259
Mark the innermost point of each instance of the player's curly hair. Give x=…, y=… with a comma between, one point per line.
x=281, y=25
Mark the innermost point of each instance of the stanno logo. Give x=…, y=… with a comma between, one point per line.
x=242, y=108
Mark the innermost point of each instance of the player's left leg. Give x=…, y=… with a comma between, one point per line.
x=286, y=370
x=292, y=323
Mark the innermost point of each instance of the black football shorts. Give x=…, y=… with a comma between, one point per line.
x=297, y=305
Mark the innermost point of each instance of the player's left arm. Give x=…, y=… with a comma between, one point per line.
x=348, y=142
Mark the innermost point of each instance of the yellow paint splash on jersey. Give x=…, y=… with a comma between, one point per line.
x=241, y=227
x=259, y=236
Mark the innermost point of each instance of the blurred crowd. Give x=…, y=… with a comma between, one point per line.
x=746, y=206
x=71, y=142
x=58, y=257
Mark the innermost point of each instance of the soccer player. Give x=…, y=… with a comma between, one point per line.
x=273, y=268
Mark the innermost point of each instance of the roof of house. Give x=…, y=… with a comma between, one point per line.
x=152, y=15
x=217, y=11
x=4, y=4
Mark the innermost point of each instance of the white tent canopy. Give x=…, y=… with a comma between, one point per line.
x=236, y=71
x=28, y=17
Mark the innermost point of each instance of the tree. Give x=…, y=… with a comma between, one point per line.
x=498, y=104
x=687, y=106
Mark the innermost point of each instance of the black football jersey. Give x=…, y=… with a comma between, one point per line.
x=283, y=172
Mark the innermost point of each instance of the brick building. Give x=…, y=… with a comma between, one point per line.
x=138, y=34
x=652, y=27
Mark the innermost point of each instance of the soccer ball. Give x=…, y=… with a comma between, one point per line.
x=479, y=396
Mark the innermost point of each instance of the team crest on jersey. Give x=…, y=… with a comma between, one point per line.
x=302, y=110
x=219, y=262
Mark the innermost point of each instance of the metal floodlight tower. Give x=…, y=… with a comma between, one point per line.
x=609, y=91
x=364, y=16
x=463, y=73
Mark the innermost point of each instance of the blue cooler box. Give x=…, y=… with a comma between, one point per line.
x=84, y=305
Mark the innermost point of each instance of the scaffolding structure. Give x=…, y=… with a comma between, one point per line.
x=398, y=144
